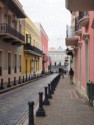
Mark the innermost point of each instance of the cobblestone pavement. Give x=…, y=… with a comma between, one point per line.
x=68, y=107
x=14, y=104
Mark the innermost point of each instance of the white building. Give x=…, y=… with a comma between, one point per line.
x=58, y=57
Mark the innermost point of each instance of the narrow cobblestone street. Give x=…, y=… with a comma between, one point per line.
x=14, y=104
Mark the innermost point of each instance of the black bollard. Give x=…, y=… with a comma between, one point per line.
x=49, y=92
x=46, y=101
x=2, y=86
x=19, y=82
x=52, y=89
x=29, y=77
x=40, y=111
x=8, y=83
x=14, y=83
x=26, y=78
x=23, y=80
x=31, y=113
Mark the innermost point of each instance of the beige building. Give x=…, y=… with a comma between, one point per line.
x=11, y=39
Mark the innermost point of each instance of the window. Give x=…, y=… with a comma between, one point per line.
x=19, y=63
x=26, y=38
x=55, y=63
x=30, y=65
x=9, y=63
x=0, y=63
x=15, y=63
x=20, y=28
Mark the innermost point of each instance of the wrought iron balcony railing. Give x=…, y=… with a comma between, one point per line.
x=83, y=14
x=28, y=46
x=5, y=28
x=76, y=24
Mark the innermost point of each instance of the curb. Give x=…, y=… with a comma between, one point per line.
x=20, y=85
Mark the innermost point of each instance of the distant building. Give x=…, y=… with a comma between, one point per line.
x=44, y=47
x=58, y=57
x=32, y=54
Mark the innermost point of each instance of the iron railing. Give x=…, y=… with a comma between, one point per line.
x=5, y=28
x=28, y=46
x=83, y=14
x=77, y=27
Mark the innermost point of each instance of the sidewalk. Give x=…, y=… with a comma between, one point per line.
x=67, y=107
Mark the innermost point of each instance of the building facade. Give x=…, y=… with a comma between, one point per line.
x=44, y=47
x=83, y=46
x=11, y=39
x=59, y=58
x=32, y=54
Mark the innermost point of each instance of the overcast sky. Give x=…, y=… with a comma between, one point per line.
x=53, y=16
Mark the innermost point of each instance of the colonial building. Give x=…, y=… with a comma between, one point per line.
x=11, y=39
x=44, y=47
x=32, y=54
x=81, y=39
x=59, y=59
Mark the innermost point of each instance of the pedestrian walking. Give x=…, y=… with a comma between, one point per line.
x=62, y=73
x=71, y=73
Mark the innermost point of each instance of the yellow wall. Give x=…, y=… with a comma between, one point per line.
x=30, y=29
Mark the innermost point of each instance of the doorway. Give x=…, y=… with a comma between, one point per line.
x=86, y=60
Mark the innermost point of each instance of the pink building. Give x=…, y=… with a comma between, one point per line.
x=80, y=36
x=44, y=47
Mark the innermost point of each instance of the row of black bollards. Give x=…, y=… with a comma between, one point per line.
x=46, y=101
x=48, y=95
x=19, y=81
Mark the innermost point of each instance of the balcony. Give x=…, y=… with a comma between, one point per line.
x=15, y=6
x=11, y=35
x=78, y=30
x=80, y=5
x=28, y=48
x=71, y=39
x=86, y=36
x=83, y=18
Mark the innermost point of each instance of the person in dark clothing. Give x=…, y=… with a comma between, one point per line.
x=71, y=73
